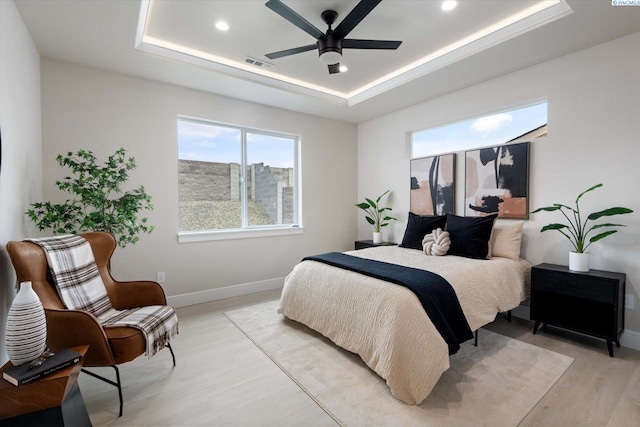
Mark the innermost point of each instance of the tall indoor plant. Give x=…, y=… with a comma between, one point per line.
x=375, y=215
x=98, y=202
x=578, y=230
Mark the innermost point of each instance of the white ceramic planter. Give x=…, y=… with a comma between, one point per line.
x=377, y=237
x=578, y=261
x=26, y=332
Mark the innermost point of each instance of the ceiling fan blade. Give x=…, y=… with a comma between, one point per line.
x=354, y=17
x=334, y=68
x=287, y=52
x=370, y=44
x=290, y=15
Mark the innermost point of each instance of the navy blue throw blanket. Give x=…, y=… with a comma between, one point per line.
x=436, y=294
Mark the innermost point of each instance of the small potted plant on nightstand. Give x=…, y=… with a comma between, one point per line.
x=577, y=230
x=375, y=215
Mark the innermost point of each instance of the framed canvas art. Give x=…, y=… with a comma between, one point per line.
x=497, y=181
x=432, y=185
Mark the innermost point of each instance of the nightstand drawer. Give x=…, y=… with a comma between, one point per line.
x=575, y=285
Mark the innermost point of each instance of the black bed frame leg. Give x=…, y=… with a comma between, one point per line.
x=505, y=314
x=475, y=342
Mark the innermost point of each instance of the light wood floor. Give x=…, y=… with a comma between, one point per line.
x=222, y=379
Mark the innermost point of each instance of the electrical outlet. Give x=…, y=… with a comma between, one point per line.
x=629, y=301
x=160, y=277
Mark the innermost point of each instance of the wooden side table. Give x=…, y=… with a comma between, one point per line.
x=589, y=302
x=54, y=400
x=362, y=244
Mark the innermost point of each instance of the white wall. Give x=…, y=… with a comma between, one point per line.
x=21, y=174
x=103, y=111
x=593, y=137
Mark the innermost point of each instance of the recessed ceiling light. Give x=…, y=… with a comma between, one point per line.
x=222, y=26
x=449, y=5
x=344, y=68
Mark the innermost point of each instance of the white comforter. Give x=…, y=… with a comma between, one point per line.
x=386, y=324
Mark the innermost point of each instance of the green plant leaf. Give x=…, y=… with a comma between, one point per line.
x=586, y=191
x=381, y=196
x=609, y=212
x=608, y=224
x=547, y=209
x=602, y=236
x=370, y=220
x=363, y=206
x=565, y=206
x=554, y=226
x=371, y=203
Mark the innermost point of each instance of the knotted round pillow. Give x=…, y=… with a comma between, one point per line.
x=436, y=243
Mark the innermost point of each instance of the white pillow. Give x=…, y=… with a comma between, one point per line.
x=505, y=239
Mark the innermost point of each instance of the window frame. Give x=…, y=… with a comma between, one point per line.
x=246, y=230
x=445, y=150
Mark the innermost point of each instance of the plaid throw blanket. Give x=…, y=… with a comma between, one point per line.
x=75, y=273
x=158, y=322
x=80, y=287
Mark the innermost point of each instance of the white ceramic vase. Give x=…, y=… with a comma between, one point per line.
x=377, y=237
x=26, y=332
x=579, y=261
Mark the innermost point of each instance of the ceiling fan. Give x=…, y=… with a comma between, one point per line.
x=331, y=43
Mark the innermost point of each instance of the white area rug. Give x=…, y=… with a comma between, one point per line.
x=494, y=384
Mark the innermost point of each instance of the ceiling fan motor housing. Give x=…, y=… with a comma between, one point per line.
x=330, y=49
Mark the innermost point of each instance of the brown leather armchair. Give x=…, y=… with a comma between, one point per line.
x=69, y=328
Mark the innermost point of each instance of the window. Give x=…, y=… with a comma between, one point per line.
x=510, y=126
x=232, y=178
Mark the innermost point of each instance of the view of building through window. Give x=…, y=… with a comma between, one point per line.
x=235, y=178
x=510, y=126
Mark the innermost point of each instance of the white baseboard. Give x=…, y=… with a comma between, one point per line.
x=629, y=338
x=209, y=295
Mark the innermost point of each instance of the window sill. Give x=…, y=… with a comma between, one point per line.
x=205, y=236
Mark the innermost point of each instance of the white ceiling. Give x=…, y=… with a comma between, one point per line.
x=175, y=42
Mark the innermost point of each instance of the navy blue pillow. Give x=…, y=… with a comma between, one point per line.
x=470, y=235
x=419, y=226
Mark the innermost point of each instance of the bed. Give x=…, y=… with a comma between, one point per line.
x=386, y=325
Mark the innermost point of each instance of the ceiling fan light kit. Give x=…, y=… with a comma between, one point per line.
x=330, y=49
x=331, y=43
x=449, y=5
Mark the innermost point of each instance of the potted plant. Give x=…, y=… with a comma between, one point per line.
x=374, y=215
x=577, y=230
x=98, y=202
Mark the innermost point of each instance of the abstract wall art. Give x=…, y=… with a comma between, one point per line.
x=432, y=185
x=497, y=180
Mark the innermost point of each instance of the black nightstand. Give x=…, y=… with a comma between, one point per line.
x=589, y=302
x=362, y=244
